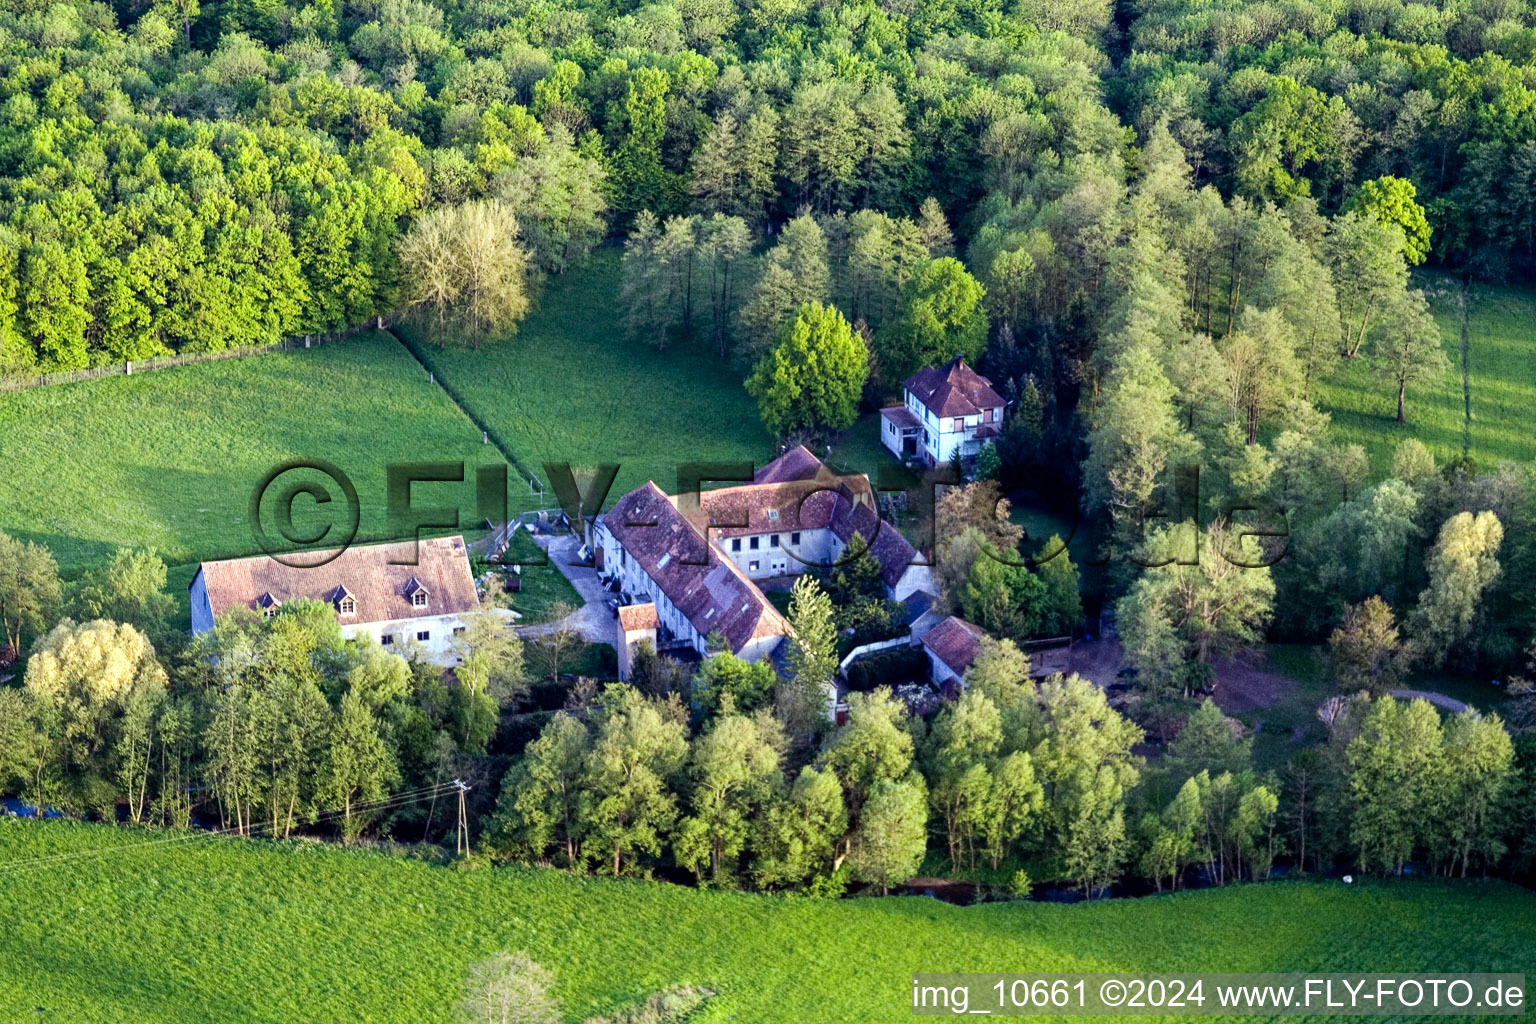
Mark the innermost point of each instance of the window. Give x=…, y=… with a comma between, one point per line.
x=419, y=599
x=794, y=538
x=959, y=423
x=773, y=541
x=424, y=635
x=752, y=566
x=773, y=514
x=753, y=544
x=736, y=544
x=458, y=630
x=270, y=611
x=989, y=416
x=348, y=606
x=387, y=639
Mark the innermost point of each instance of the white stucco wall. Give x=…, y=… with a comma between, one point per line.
x=788, y=559
x=438, y=648
x=941, y=672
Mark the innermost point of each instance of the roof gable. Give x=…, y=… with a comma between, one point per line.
x=955, y=642
x=796, y=464
x=953, y=389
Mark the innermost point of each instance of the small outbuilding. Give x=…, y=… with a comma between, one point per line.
x=951, y=647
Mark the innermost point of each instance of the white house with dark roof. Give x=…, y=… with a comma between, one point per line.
x=396, y=604
x=698, y=557
x=952, y=408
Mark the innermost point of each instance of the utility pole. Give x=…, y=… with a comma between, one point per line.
x=462, y=845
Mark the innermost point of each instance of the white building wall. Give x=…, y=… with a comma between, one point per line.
x=940, y=439
x=788, y=559
x=438, y=647
x=916, y=578
x=634, y=580
x=942, y=673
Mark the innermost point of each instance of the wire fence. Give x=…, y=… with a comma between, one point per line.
x=129, y=367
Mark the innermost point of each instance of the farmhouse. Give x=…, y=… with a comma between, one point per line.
x=699, y=557
x=650, y=548
x=395, y=604
x=945, y=410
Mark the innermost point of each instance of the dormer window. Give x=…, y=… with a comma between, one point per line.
x=269, y=605
x=416, y=593
x=419, y=599
x=343, y=601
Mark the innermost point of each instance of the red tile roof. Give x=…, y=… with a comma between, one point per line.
x=886, y=543
x=638, y=616
x=775, y=507
x=705, y=587
x=796, y=464
x=954, y=389
x=843, y=504
x=382, y=589
x=955, y=642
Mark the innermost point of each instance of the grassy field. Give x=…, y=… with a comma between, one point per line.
x=233, y=931
x=1502, y=349
x=572, y=387
x=170, y=459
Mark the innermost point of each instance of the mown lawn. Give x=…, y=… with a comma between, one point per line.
x=571, y=386
x=1502, y=348
x=169, y=459
x=233, y=931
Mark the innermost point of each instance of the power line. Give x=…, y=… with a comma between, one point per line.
x=461, y=847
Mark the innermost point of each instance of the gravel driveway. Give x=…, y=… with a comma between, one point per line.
x=593, y=620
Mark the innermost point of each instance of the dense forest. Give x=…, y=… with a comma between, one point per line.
x=186, y=177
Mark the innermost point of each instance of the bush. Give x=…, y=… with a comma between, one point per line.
x=888, y=668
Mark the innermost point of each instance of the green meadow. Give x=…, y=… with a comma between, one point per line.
x=224, y=930
x=571, y=386
x=1501, y=348
x=170, y=459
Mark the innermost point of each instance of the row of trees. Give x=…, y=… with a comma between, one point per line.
x=627, y=786
x=731, y=772
x=1007, y=772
